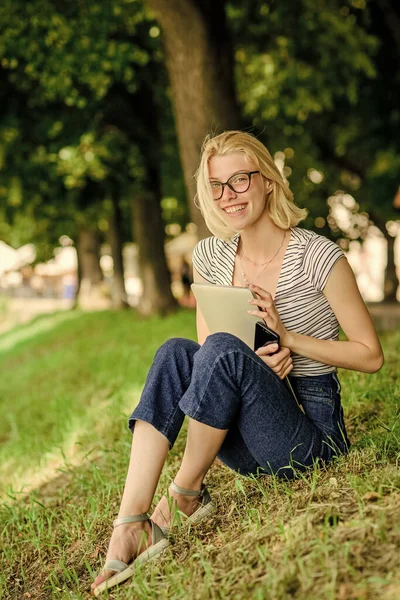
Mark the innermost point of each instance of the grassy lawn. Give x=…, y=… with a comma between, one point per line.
x=68, y=384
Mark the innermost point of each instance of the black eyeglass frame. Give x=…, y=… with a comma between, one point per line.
x=249, y=173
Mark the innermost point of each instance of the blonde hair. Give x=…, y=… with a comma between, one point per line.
x=281, y=208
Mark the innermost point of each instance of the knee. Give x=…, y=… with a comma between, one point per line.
x=222, y=343
x=176, y=348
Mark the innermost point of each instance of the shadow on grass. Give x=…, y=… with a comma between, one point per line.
x=332, y=533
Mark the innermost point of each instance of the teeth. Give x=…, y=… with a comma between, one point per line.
x=235, y=209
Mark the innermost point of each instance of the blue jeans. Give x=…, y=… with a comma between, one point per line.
x=225, y=385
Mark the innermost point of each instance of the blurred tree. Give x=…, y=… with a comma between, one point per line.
x=199, y=59
x=79, y=59
x=318, y=80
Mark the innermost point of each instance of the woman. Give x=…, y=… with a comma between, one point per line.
x=239, y=409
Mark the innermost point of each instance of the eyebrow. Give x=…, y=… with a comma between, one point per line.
x=235, y=173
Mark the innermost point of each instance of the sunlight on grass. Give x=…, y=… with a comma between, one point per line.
x=39, y=325
x=333, y=533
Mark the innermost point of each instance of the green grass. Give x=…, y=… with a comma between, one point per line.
x=68, y=384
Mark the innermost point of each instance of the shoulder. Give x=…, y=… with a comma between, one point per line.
x=312, y=242
x=205, y=244
x=203, y=257
x=213, y=258
x=208, y=248
x=205, y=250
x=319, y=255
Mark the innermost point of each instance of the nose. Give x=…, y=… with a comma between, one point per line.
x=228, y=193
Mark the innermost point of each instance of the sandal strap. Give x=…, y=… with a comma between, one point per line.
x=115, y=565
x=186, y=492
x=131, y=519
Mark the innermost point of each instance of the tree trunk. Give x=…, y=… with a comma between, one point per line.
x=118, y=293
x=149, y=234
x=392, y=20
x=78, y=274
x=200, y=65
x=138, y=116
x=391, y=280
x=90, y=291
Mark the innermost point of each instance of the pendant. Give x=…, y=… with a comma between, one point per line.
x=247, y=282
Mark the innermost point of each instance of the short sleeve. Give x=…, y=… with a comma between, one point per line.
x=202, y=258
x=320, y=257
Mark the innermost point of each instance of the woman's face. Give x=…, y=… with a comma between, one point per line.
x=239, y=210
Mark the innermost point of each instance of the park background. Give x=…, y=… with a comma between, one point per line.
x=104, y=107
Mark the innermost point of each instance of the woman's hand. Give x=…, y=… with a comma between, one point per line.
x=280, y=363
x=268, y=312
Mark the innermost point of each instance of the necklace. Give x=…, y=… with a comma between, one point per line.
x=252, y=261
x=263, y=265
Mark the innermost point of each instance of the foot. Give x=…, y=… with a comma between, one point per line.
x=185, y=504
x=127, y=542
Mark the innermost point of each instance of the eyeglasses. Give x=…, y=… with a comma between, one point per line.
x=238, y=183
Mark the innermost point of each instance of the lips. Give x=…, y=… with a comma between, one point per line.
x=236, y=209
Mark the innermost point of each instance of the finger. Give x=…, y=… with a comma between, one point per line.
x=259, y=290
x=281, y=357
x=279, y=366
x=276, y=363
x=286, y=361
x=278, y=369
x=268, y=360
x=286, y=371
x=269, y=349
x=286, y=367
x=265, y=304
x=259, y=313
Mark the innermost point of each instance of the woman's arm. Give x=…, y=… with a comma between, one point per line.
x=362, y=351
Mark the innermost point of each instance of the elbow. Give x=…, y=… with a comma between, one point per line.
x=376, y=363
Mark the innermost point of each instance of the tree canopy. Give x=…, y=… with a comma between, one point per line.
x=86, y=104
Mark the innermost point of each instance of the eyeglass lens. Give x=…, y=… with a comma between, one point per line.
x=239, y=183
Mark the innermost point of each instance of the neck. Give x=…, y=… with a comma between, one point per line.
x=261, y=240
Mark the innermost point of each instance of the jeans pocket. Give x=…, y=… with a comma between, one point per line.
x=320, y=398
x=336, y=379
x=319, y=408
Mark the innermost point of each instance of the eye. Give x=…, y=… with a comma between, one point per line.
x=215, y=185
x=239, y=179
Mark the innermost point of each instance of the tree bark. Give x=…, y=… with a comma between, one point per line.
x=392, y=20
x=391, y=281
x=149, y=234
x=91, y=276
x=138, y=116
x=199, y=60
x=78, y=274
x=118, y=293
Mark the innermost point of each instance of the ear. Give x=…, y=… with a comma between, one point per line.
x=269, y=187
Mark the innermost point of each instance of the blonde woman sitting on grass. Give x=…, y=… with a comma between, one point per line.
x=238, y=407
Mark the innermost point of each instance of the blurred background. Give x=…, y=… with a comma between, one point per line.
x=104, y=106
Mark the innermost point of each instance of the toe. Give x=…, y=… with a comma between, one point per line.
x=102, y=577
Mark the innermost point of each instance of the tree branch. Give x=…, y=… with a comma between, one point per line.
x=343, y=162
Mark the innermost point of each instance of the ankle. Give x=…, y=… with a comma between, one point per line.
x=193, y=485
x=126, y=510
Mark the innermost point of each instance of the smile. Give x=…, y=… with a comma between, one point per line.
x=235, y=209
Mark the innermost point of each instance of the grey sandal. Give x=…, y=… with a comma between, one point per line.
x=124, y=571
x=205, y=509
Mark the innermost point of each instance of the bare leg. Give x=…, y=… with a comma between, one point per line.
x=202, y=445
x=148, y=454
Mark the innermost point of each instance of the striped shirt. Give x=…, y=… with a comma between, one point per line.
x=299, y=298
